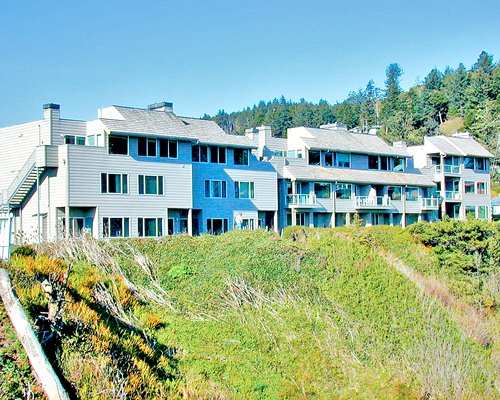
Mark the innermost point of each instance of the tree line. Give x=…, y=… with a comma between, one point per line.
x=455, y=99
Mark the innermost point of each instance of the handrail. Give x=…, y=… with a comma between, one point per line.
x=301, y=199
x=21, y=175
x=453, y=195
x=372, y=201
x=429, y=202
x=448, y=169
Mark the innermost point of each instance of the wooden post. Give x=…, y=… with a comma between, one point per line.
x=41, y=366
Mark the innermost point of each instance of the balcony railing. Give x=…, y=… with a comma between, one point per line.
x=301, y=200
x=448, y=169
x=453, y=195
x=372, y=202
x=429, y=203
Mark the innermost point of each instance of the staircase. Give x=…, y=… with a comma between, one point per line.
x=21, y=185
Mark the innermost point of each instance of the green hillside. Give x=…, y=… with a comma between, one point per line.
x=323, y=314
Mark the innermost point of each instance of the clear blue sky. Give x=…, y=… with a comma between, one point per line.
x=210, y=55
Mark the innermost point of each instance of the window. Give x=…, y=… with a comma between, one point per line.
x=199, y=153
x=216, y=226
x=217, y=155
x=323, y=190
x=481, y=164
x=215, y=189
x=294, y=153
x=481, y=188
x=72, y=139
x=150, y=227
x=118, y=145
x=329, y=159
x=150, y=184
x=343, y=160
x=115, y=227
x=469, y=187
x=482, y=212
x=343, y=190
x=394, y=192
x=470, y=211
x=114, y=183
x=384, y=163
x=314, y=158
x=240, y=156
x=279, y=153
x=168, y=148
x=398, y=165
x=412, y=193
x=244, y=190
x=373, y=162
x=469, y=162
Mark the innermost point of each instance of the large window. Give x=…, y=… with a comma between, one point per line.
x=72, y=139
x=469, y=187
x=118, y=145
x=215, y=189
x=150, y=184
x=217, y=155
x=199, y=153
x=244, y=190
x=329, y=159
x=115, y=227
x=378, y=162
x=481, y=188
x=394, y=192
x=240, y=156
x=150, y=227
x=168, y=148
x=481, y=164
x=344, y=190
x=469, y=162
x=412, y=193
x=114, y=183
x=217, y=226
x=314, y=157
x=323, y=190
x=146, y=147
x=343, y=160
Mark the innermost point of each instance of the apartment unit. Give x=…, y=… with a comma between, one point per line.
x=327, y=176
x=460, y=167
x=135, y=172
x=131, y=173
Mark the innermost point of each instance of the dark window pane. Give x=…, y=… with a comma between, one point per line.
x=314, y=158
x=151, y=147
x=141, y=146
x=140, y=225
x=214, y=154
x=222, y=155
x=104, y=183
x=118, y=145
x=172, y=148
x=141, y=184
x=160, y=185
x=163, y=147
x=203, y=153
x=373, y=162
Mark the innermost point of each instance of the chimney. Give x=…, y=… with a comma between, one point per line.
x=464, y=135
x=399, y=144
x=335, y=126
x=164, y=106
x=51, y=111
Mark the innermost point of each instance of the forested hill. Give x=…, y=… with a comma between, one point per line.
x=445, y=102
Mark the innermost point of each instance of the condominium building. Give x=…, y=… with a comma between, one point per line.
x=135, y=172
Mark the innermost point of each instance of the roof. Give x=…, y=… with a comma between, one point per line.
x=136, y=121
x=495, y=201
x=343, y=140
x=458, y=146
x=321, y=174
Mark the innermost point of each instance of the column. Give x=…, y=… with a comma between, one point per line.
x=190, y=222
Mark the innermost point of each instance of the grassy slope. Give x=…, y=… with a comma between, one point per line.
x=253, y=316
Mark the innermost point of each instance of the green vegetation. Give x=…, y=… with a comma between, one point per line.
x=468, y=97
x=319, y=313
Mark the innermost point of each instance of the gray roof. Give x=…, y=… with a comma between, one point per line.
x=343, y=140
x=458, y=146
x=137, y=121
x=495, y=201
x=321, y=174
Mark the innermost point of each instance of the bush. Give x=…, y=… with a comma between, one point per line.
x=25, y=251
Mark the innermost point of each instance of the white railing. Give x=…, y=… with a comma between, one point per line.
x=429, y=203
x=448, y=169
x=372, y=201
x=21, y=176
x=301, y=200
x=453, y=195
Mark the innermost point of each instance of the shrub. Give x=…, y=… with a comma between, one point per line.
x=25, y=251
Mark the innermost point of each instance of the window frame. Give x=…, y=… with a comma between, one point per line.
x=224, y=222
x=340, y=187
x=202, y=152
x=250, y=191
x=142, y=185
x=395, y=196
x=168, y=145
x=210, y=188
x=215, y=156
x=105, y=183
x=245, y=156
x=469, y=187
x=408, y=190
x=141, y=226
x=125, y=227
x=118, y=137
x=338, y=162
x=317, y=192
x=483, y=189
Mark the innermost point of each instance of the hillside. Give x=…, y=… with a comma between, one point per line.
x=249, y=315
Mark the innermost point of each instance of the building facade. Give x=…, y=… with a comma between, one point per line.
x=149, y=173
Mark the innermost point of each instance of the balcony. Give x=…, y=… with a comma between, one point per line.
x=448, y=169
x=453, y=196
x=429, y=203
x=371, y=202
x=301, y=200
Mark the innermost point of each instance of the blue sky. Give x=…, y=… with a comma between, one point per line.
x=210, y=55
